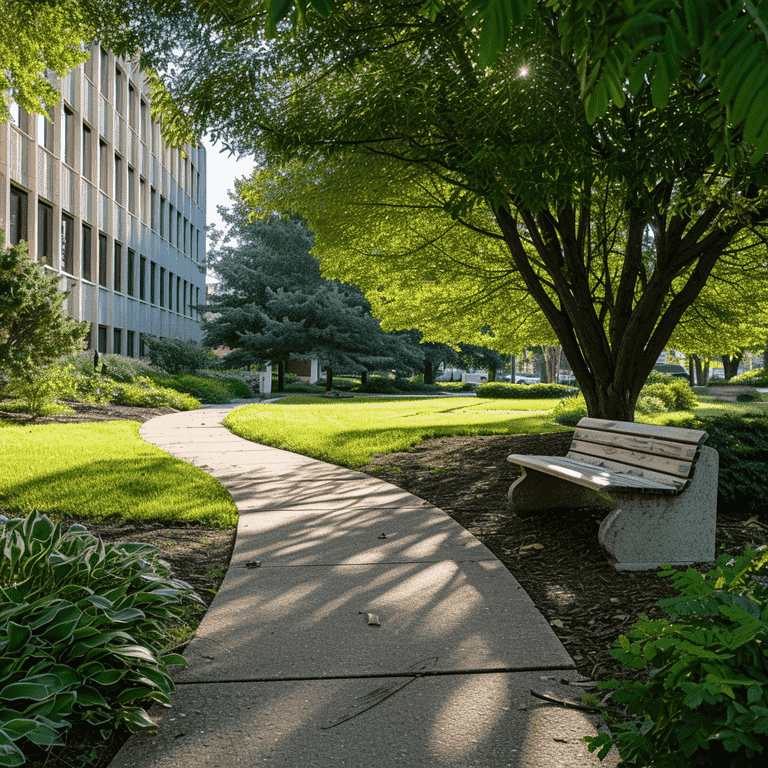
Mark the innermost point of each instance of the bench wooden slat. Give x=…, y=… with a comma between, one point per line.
x=616, y=466
x=643, y=461
x=681, y=451
x=676, y=434
x=591, y=476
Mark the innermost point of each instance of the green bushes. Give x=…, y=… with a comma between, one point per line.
x=378, y=385
x=706, y=702
x=673, y=392
x=205, y=389
x=570, y=411
x=83, y=633
x=176, y=355
x=531, y=391
x=37, y=390
x=756, y=378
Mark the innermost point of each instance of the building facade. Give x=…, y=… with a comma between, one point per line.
x=105, y=204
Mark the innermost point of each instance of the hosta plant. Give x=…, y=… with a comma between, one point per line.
x=706, y=699
x=83, y=628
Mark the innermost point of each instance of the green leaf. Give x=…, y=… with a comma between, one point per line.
x=660, y=83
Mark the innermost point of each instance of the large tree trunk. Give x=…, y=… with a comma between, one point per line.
x=491, y=374
x=328, y=379
x=281, y=375
x=364, y=378
x=552, y=358
x=731, y=365
x=429, y=374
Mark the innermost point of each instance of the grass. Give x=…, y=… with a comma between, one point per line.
x=105, y=471
x=350, y=432
x=707, y=407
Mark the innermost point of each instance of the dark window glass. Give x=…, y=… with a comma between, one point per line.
x=68, y=120
x=131, y=190
x=170, y=290
x=143, y=279
x=152, y=204
x=102, y=340
x=103, y=266
x=19, y=211
x=129, y=337
x=185, y=297
x=67, y=243
x=178, y=231
x=145, y=134
x=178, y=294
x=131, y=277
x=117, y=340
x=118, y=90
x=104, y=74
x=103, y=166
x=85, y=251
x=191, y=298
x=152, y=281
x=89, y=65
x=45, y=233
x=142, y=346
x=119, y=180
x=162, y=216
x=45, y=132
x=162, y=286
x=142, y=200
x=87, y=152
x=118, y=267
x=171, y=223
x=132, y=107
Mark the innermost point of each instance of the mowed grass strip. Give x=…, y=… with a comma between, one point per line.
x=350, y=432
x=105, y=471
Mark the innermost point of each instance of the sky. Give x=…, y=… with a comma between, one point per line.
x=222, y=171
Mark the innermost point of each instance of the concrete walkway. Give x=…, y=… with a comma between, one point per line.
x=357, y=626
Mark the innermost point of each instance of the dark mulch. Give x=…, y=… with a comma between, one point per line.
x=567, y=575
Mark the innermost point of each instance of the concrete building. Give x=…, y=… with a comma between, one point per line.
x=105, y=204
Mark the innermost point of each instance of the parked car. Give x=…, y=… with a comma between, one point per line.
x=523, y=378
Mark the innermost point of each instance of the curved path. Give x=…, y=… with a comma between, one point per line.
x=357, y=625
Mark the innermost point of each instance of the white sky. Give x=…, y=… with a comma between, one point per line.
x=222, y=171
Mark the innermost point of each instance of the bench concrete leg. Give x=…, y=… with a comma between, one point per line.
x=645, y=531
x=537, y=492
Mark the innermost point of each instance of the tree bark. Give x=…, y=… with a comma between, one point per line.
x=553, y=364
x=281, y=375
x=429, y=376
x=491, y=374
x=364, y=378
x=328, y=379
x=731, y=366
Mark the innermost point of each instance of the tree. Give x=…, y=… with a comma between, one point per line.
x=611, y=227
x=34, y=330
x=273, y=304
x=474, y=356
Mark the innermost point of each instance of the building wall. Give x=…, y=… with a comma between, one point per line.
x=103, y=203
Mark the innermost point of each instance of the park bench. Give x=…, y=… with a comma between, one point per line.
x=660, y=484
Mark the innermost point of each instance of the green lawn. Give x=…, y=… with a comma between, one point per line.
x=350, y=432
x=105, y=471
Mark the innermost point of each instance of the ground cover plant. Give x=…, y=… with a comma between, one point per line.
x=500, y=389
x=83, y=634
x=349, y=432
x=105, y=472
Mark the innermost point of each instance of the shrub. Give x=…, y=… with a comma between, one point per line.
x=237, y=384
x=415, y=384
x=752, y=396
x=83, y=630
x=742, y=444
x=532, y=391
x=145, y=393
x=756, y=378
x=204, y=388
x=648, y=405
x=304, y=386
x=674, y=392
x=122, y=368
x=453, y=386
x=570, y=411
x=705, y=703
x=658, y=392
x=39, y=388
x=176, y=355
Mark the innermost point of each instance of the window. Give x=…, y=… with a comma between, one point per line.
x=185, y=297
x=131, y=190
x=130, y=287
x=67, y=243
x=118, y=191
x=152, y=281
x=191, y=298
x=192, y=181
x=143, y=200
x=118, y=90
x=152, y=205
x=45, y=132
x=143, y=278
x=197, y=188
x=145, y=134
x=44, y=233
x=162, y=216
x=68, y=136
x=18, y=221
x=103, y=166
x=87, y=153
x=103, y=339
x=88, y=66
x=197, y=301
x=170, y=290
x=117, y=265
x=103, y=260
x=178, y=230
x=132, y=106
x=142, y=346
x=104, y=74
x=117, y=340
x=186, y=226
x=170, y=223
x=85, y=253
x=21, y=118
x=178, y=294
x=129, y=350
x=162, y=286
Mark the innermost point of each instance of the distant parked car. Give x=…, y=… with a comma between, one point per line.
x=523, y=378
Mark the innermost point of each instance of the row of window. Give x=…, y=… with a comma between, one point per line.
x=161, y=291
x=117, y=341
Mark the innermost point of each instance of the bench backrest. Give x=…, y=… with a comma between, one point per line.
x=661, y=454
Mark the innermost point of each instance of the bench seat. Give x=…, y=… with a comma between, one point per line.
x=659, y=482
